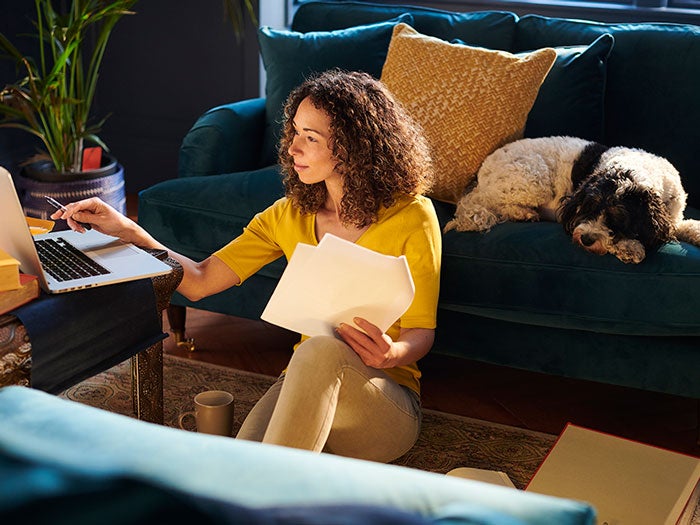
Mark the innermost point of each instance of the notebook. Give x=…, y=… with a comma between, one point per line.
x=59, y=258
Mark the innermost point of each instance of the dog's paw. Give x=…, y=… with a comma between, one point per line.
x=628, y=251
x=462, y=224
x=688, y=230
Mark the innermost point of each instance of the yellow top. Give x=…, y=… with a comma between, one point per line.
x=409, y=227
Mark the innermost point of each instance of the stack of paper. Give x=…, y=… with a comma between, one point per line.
x=336, y=281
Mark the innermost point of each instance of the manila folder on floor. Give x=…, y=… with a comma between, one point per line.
x=334, y=282
x=629, y=483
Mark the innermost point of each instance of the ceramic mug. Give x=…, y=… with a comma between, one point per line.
x=213, y=413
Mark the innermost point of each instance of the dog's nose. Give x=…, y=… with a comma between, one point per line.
x=587, y=240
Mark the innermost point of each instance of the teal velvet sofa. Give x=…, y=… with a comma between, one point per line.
x=521, y=295
x=64, y=462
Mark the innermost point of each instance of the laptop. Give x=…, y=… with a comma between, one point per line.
x=67, y=260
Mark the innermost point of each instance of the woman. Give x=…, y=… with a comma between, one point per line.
x=355, y=166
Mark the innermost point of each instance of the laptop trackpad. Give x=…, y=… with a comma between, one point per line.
x=111, y=252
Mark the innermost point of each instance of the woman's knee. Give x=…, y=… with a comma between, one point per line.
x=322, y=351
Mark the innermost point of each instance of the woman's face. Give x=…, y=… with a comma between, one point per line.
x=310, y=148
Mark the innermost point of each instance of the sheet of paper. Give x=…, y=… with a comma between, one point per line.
x=495, y=477
x=335, y=281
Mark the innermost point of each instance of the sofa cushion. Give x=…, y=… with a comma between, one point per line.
x=290, y=57
x=533, y=273
x=88, y=441
x=42, y=492
x=38, y=491
x=469, y=100
x=571, y=98
x=491, y=29
x=652, y=84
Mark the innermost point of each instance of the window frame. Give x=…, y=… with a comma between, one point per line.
x=610, y=11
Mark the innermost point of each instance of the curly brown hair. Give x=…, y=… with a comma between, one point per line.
x=380, y=150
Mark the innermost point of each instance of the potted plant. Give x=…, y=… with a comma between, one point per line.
x=53, y=102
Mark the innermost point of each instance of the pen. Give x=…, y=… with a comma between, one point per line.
x=53, y=202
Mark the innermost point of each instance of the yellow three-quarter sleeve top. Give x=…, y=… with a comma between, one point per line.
x=409, y=227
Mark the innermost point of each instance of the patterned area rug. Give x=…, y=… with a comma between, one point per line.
x=446, y=441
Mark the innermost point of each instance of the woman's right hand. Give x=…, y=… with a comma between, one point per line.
x=200, y=279
x=103, y=218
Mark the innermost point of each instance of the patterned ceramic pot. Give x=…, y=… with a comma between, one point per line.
x=36, y=181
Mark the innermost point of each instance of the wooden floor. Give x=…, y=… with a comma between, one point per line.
x=498, y=394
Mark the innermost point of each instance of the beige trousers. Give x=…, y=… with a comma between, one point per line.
x=330, y=401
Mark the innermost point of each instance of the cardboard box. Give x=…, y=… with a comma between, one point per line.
x=629, y=483
x=9, y=272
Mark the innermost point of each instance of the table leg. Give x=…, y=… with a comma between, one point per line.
x=176, y=319
x=147, y=383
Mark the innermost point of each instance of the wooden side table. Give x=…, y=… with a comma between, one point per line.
x=146, y=366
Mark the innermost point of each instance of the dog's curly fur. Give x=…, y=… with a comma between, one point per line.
x=623, y=201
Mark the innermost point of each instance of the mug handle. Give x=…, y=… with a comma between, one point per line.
x=182, y=417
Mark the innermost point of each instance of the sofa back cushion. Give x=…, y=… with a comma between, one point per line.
x=290, y=57
x=571, y=100
x=491, y=29
x=652, y=84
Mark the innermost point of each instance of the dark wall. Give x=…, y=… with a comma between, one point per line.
x=15, y=19
x=163, y=67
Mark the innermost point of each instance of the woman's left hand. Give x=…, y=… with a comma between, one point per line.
x=378, y=350
x=375, y=348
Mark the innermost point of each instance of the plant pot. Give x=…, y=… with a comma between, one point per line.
x=44, y=171
x=39, y=179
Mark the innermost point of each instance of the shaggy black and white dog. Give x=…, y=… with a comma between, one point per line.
x=618, y=200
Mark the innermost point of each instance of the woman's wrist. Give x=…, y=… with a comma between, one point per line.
x=135, y=234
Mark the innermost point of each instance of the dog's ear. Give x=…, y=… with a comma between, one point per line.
x=585, y=203
x=648, y=215
x=567, y=211
x=587, y=161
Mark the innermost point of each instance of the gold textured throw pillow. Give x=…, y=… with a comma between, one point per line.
x=469, y=101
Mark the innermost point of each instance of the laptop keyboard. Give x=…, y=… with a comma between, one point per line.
x=65, y=262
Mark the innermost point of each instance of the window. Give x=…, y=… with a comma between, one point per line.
x=678, y=11
x=688, y=4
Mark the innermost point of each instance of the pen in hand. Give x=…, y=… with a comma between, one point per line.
x=53, y=202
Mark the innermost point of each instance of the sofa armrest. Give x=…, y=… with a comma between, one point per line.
x=225, y=139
